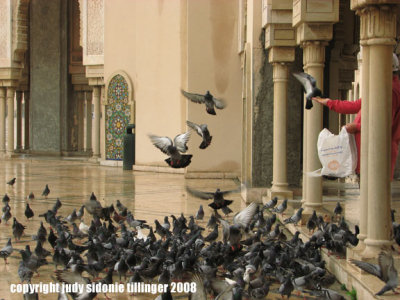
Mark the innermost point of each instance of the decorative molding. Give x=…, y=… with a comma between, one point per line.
x=5, y=33
x=313, y=53
x=20, y=30
x=92, y=14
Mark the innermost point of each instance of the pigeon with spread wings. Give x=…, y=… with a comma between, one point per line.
x=310, y=87
x=202, y=131
x=174, y=149
x=218, y=197
x=207, y=99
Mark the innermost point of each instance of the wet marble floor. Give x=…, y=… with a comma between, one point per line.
x=148, y=195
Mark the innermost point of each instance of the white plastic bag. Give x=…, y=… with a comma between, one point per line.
x=337, y=153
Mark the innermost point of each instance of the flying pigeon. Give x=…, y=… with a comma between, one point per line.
x=202, y=131
x=174, y=149
x=310, y=86
x=207, y=99
x=218, y=197
x=385, y=271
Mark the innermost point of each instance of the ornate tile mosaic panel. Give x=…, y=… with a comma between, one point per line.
x=117, y=117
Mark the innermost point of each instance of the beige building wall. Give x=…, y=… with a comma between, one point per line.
x=164, y=46
x=143, y=38
x=214, y=65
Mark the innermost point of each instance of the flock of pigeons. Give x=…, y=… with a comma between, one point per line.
x=228, y=258
x=237, y=258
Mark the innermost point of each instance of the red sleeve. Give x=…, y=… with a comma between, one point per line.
x=344, y=106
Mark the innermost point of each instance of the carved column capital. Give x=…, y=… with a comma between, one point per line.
x=377, y=24
x=313, y=53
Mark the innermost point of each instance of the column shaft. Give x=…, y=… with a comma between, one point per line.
x=280, y=75
x=18, y=99
x=88, y=122
x=2, y=120
x=10, y=120
x=314, y=57
x=80, y=116
x=379, y=150
x=96, y=122
x=364, y=147
x=26, y=120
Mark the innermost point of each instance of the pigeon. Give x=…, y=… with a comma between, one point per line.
x=218, y=197
x=202, y=131
x=31, y=296
x=270, y=204
x=281, y=208
x=93, y=206
x=28, y=212
x=174, y=149
x=80, y=212
x=12, y=181
x=384, y=270
x=73, y=277
x=338, y=210
x=6, y=199
x=46, y=191
x=200, y=213
x=310, y=86
x=6, y=251
x=31, y=196
x=207, y=99
x=312, y=221
x=295, y=218
x=213, y=235
x=6, y=214
x=18, y=229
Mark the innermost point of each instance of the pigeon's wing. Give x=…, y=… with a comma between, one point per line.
x=200, y=194
x=197, y=98
x=200, y=293
x=195, y=127
x=385, y=261
x=367, y=267
x=161, y=142
x=225, y=230
x=181, y=140
x=226, y=293
x=72, y=277
x=231, y=191
x=304, y=79
x=219, y=103
x=244, y=217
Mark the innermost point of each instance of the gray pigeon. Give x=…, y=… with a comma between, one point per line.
x=280, y=209
x=6, y=251
x=295, y=218
x=173, y=149
x=384, y=270
x=18, y=229
x=310, y=87
x=200, y=213
x=207, y=99
x=202, y=131
x=271, y=203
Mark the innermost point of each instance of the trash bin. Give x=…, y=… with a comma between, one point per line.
x=129, y=148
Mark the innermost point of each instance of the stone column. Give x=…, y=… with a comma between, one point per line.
x=279, y=57
x=381, y=25
x=96, y=123
x=2, y=121
x=10, y=120
x=313, y=60
x=80, y=115
x=88, y=121
x=18, y=99
x=364, y=139
x=26, y=120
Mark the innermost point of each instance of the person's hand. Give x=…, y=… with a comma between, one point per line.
x=323, y=101
x=351, y=128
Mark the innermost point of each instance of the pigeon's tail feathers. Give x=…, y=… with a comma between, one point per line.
x=183, y=162
x=309, y=104
x=211, y=110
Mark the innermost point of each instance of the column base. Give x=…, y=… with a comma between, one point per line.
x=374, y=247
x=94, y=159
x=256, y=195
x=280, y=193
